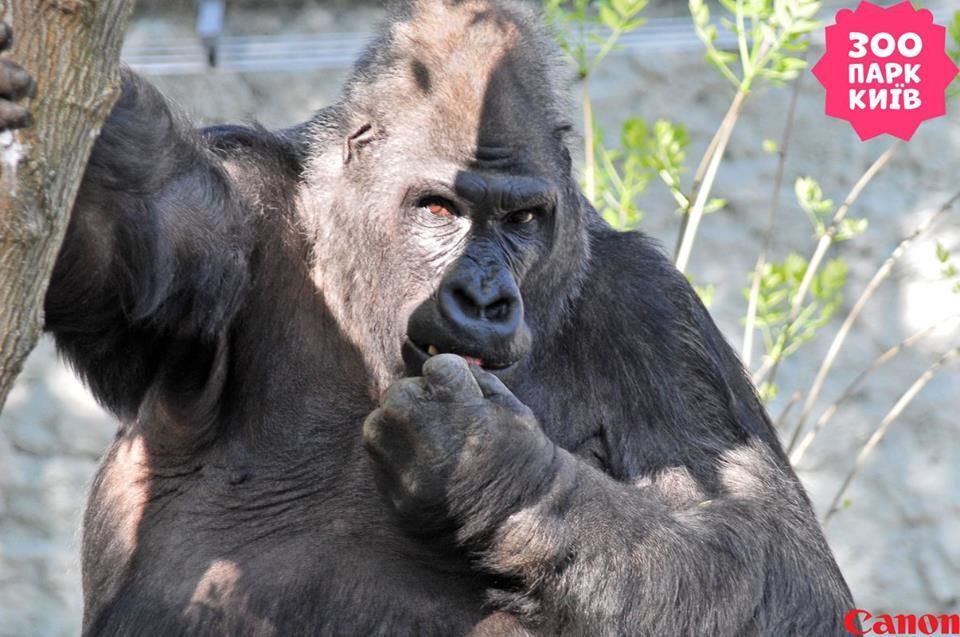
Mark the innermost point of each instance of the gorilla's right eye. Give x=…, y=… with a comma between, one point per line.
x=437, y=206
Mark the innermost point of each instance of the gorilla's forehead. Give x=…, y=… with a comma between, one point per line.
x=472, y=81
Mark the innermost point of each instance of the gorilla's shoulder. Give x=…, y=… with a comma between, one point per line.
x=632, y=265
x=283, y=151
x=652, y=313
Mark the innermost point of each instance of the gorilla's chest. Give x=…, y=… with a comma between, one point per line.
x=301, y=553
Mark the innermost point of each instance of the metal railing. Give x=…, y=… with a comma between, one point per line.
x=291, y=52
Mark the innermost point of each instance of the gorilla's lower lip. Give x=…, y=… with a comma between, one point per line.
x=417, y=354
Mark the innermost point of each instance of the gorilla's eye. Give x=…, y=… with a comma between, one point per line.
x=437, y=206
x=522, y=217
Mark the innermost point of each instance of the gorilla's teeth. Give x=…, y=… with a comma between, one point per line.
x=433, y=351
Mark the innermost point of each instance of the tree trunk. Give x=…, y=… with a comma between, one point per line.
x=72, y=50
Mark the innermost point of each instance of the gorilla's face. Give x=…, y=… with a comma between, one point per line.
x=447, y=256
x=448, y=216
x=476, y=309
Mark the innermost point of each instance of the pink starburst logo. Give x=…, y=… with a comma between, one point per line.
x=885, y=70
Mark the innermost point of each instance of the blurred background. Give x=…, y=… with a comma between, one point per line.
x=897, y=537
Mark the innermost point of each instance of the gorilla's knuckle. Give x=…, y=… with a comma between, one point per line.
x=444, y=367
x=373, y=430
x=403, y=397
x=450, y=378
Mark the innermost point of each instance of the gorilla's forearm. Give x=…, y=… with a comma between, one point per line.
x=155, y=248
x=599, y=557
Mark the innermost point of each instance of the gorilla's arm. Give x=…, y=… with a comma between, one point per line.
x=154, y=258
x=583, y=553
x=686, y=520
x=597, y=556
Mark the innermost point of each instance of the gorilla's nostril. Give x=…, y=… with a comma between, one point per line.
x=467, y=304
x=498, y=311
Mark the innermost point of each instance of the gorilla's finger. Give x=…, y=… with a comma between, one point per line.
x=14, y=116
x=6, y=36
x=15, y=82
x=403, y=398
x=496, y=392
x=390, y=445
x=376, y=434
x=448, y=375
x=489, y=384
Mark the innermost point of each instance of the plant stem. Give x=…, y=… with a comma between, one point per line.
x=742, y=41
x=749, y=327
x=877, y=363
x=879, y=276
x=794, y=399
x=699, y=199
x=605, y=49
x=769, y=369
x=588, y=155
x=881, y=430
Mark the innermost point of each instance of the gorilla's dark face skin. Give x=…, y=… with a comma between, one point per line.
x=478, y=309
x=389, y=373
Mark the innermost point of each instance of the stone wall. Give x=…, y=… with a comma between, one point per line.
x=898, y=542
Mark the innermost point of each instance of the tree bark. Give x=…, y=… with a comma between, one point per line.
x=72, y=50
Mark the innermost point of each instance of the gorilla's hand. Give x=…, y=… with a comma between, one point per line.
x=454, y=442
x=15, y=84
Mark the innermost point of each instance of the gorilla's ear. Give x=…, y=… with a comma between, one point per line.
x=362, y=136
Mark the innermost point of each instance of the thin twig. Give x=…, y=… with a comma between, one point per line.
x=768, y=370
x=703, y=192
x=881, y=430
x=695, y=188
x=750, y=326
x=794, y=399
x=879, y=276
x=855, y=384
x=588, y=142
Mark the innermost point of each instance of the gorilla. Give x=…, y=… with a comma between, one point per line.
x=389, y=373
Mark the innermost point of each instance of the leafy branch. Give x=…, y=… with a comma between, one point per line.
x=769, y=34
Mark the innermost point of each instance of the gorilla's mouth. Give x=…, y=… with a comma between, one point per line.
x=415, y=355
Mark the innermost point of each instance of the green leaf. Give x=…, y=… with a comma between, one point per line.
x=714, y=205
x=636, y=134
x=700, y=13
x=954, y=28
x=811, y=200
x=609, y=17
x=767, y=391
x=770, y=146
x=705, y=292
x=850, y=227
x=942, y=253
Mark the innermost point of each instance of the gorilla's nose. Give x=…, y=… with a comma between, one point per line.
x=482, y=305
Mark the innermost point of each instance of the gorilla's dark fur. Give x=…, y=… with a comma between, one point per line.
x=248, y=303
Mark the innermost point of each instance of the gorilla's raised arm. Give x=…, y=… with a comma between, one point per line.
x=155, y=254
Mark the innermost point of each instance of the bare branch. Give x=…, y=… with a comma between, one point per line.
x=701, y=192
x=750, y=325
x=884, y=426
x=768, y=370
x=855, y=384
x=879, y=276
